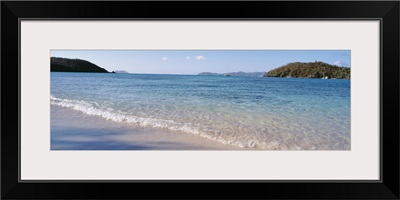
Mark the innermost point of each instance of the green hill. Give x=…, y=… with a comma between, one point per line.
x=73, y=65
x=310, y=70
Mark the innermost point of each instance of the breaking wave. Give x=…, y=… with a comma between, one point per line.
x=93, y=109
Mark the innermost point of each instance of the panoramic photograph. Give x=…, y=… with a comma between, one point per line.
x=200, y=100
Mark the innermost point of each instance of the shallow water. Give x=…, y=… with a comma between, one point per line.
x=247, y=112
x=96, y=133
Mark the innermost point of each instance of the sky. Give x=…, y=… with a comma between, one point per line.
x=197, y=61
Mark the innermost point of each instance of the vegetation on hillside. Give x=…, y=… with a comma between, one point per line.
x=73, y=65
x=310, y=70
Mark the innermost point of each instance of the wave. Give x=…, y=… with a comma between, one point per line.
x=93, y=109
x=231, y=135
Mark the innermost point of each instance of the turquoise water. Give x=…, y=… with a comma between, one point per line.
x=248, y=112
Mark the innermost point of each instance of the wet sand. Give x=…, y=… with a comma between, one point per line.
x=74, y=130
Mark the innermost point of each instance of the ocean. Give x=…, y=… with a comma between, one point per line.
x=246, y=112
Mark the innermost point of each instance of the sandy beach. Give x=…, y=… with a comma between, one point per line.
x=188, y=112
x=74, y=130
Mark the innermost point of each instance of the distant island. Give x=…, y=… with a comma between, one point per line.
x=121, y=72
x=73, y=65
x=310, y=70
x=240, y=73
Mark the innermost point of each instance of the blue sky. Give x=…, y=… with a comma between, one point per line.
x=196, y=61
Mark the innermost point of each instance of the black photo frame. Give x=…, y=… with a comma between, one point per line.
x=385, y=11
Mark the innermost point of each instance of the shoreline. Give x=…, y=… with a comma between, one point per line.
x=74, y=130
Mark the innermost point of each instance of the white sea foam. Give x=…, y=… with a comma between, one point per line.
x=275, y=135
x=92, y=109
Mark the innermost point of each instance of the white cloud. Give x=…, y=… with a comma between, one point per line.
x=200, y=58
x=164, y=58
x=187, y=57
